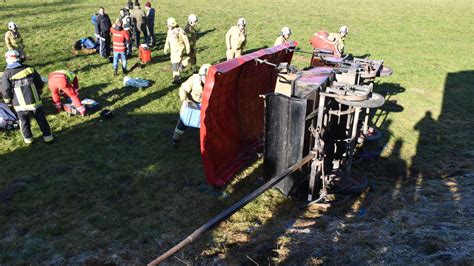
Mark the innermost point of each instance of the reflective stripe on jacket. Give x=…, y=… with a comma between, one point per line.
x=119, y=39
x=22, y=86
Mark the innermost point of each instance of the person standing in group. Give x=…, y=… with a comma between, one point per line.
x=338, y=39
x=120, y=40
x=190, y=93
x=150, y=20
x=103, y=29
x=178, y=44
x=128, y=27
x=65, y=81
x=13, y=40
x=284, y=36
x=138, y=17
x=22, y=87
x=192, y=35
x=235, y=39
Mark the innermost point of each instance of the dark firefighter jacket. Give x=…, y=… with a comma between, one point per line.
x=103, y=24
x=22, y=86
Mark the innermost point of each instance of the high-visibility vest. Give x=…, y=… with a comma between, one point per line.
x=69, y=75
x=23, y=85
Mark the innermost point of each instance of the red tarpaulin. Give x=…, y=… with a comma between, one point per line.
x=232, y=110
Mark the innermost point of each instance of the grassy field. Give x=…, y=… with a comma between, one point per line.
x=116, y=191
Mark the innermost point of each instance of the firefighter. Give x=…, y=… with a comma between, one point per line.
x=177, y=44
x=235, y=39
x=128, y=27
x=22, y=87
x=191, y=33
x=190, y=92
x=338, y=39
x=65, y=81
x=120, y=39
x=150, y=21
x=103, y=30
x=14, y=41
x=284, y=37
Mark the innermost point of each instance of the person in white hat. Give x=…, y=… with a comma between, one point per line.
x=192, y=35
x=190, y=93
x=177, y=44
x=13, y=40
x=236, y=39
x=284, y=37
x=22, y=87
x=338, y=39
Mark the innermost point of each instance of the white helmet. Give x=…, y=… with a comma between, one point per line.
x=12, y=25
x=204, y=69
x=344, y=29
x=12, y=56
x=285, y=31
x=192, y=18
x=171, y=22
x=241, y=22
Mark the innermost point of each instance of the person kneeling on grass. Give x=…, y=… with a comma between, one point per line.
x=190, y=92
x=22, y=87
x=67, y=82
x=120, y=39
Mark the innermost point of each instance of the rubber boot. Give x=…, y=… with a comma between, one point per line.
x=176, y=80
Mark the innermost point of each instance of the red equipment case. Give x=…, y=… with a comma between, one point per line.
x=145, y=53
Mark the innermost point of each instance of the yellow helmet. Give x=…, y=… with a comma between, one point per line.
x=171, y=22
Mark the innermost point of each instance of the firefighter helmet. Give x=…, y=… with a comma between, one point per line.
x=241, y=22
x=204, y=69
x=285, y=31
x=343, y=29
x=171, y=22
x=12, y=25
x=12, y=56
x=192, y=18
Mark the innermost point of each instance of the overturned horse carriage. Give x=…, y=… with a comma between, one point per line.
x=305, y=122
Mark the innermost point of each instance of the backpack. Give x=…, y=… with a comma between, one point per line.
x=85, y=43
x=8, y=120
x=88, y=43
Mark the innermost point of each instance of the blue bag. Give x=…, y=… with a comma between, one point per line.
x=88, y=43
x=8, y=120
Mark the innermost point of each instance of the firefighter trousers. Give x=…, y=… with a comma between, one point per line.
x=25, y=122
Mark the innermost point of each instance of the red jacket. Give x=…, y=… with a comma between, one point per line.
x=119, y=39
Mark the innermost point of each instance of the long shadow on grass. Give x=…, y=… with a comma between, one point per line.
x=410, y=205
x=108, y=184
x=446, y=145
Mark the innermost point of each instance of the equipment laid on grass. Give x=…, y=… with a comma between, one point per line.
x=85, y=45
x=135, y=82
x=90, y=105
x=145, y=53
x=106, y=114
x=8, y=119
